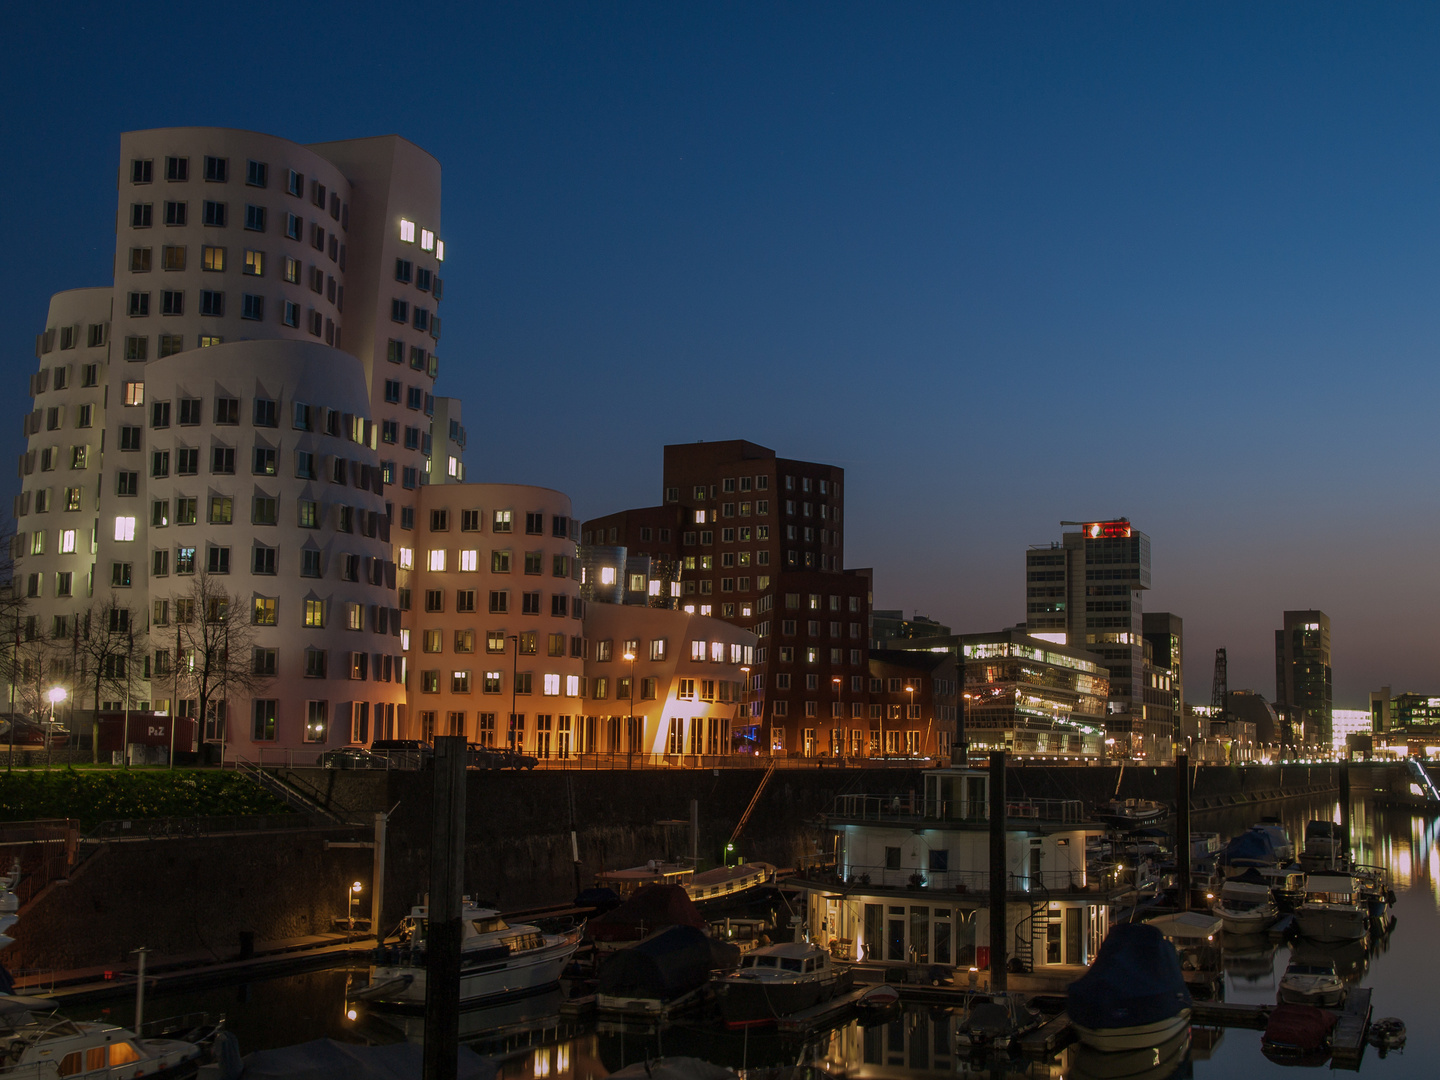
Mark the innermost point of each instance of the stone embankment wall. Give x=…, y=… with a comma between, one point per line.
x=180, y=896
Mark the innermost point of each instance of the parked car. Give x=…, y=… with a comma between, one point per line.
x=494, y=757
x=351, y=757
x=404, y=753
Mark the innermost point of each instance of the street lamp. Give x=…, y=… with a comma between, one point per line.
x=839, y=746
x=630, y=720
x=352, y=897
x=55, y=695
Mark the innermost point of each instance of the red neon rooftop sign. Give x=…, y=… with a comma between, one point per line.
x=1095, y=530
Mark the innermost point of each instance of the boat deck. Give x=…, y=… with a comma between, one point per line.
x=1347, y=1043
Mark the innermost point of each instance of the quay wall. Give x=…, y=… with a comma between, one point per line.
x=195, y=896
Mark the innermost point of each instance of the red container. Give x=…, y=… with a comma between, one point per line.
x=147, y=729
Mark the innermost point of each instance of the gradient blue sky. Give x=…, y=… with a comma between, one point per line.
x=1007, y=264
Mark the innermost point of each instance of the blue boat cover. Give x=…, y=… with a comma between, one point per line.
x=1252, y=846
x=1134, y=980
x=663, y=966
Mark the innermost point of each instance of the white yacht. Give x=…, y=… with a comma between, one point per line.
x=497, y=960
x=53, y=1046
x=1333, y=909
x=1311, y=984
x=1245, y=907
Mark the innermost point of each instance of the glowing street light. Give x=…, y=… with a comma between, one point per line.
x=352, y=897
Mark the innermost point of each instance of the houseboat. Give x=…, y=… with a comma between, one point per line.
x=912, y=879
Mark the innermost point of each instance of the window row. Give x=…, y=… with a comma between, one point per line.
x=420, y=318
x=420, y=358
x=96, y=336
x=264, y=461
x=498, y=602
x=701, y=491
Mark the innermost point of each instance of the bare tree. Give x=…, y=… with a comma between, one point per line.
x=104, y=643
x=216, y=645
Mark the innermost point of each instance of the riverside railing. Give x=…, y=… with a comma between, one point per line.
x=913, y=806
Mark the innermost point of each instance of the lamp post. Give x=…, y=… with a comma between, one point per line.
x=910, y=689
x=352, y=897
x=630, y=719
x=838, y=745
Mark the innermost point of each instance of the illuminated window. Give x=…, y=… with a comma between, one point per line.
x=440, y=250
x=315, y=613
x=407, y=558
x=67, y=541
x=552, y=685
x=124, y=528
x=607, y=575
x=469, y=561
x=407, y=231
x=134, y=393
x=427, y=240
x=437, y=559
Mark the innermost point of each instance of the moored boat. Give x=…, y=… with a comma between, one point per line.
x=43, y=1046
x=1298, y=1034
x=1131, y=813
x=1311, y=984
x=1333, y=909
x=497, y=960
x=777, y=981
x=1134, y=994
x=704, y=887
x=1245, y=905
x=1324, y=846
x=995, y=1021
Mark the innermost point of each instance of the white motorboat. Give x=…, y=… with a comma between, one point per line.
x=1333, y=909
x=777, y=981
x=1311, y=984
x=1137, y=1037
x=40, y=1048
x=497, y=960
x=1324, y=845
x=1245, y=907
x=1280, y=841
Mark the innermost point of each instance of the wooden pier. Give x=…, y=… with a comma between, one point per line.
x=1347, y=1042
x=823, y=1015
x=1048, y=1038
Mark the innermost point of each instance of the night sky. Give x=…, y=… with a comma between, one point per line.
x=1006, y=264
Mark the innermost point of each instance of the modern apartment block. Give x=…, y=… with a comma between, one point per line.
x=249, y=404
x=759, y=542
x=1303, y=681
x=1086, y=592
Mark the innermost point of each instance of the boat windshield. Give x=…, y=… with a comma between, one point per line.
x=792, y=964
x=490, y=924
x=766, y=961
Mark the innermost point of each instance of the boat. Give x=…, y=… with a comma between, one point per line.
x=1134, y=994
x=1333, y=909
x=1245, y=905
x=1160, y=1062
x=497, y=960
x=995, y=1021
x=45, y=1046
x=1311, y=984
x=776, y=981
x=1298, y=1035
x=705, y=887
x=661, y=975
x=878, y=999
x=1287, y=884
x=1375, y=888
x=1131, y=813
x=1324, y=846
x=1279, y=839
x=1253, y=848
x=1387, y=1033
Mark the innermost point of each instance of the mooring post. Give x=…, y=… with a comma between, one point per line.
x=377, y=880
x=998, y=875
x=1182, y=827
x=443, y=935
x=1345, y=805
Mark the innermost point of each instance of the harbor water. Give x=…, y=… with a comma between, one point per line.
x=532, y=1041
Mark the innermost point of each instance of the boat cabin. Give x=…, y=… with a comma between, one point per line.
x=912, y=878
x=627, y=883
x=787, y=959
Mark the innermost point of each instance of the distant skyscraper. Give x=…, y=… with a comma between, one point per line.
x=1302, y=675
x=1085, y=592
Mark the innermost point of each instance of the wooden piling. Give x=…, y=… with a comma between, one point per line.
x=443, y=935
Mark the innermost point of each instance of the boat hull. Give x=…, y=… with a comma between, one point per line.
x=1134, y=1038
x=1311, y=995
x=1246, y=922
x=750, y=1002
x=1332, y=924
x=513, y=976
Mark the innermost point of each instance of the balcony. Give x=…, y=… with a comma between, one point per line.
x=913, y=808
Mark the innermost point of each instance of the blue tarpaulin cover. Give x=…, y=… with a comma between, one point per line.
x=1135, y=980
x=1249, y=848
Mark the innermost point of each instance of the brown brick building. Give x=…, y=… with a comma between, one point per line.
x=760, y=543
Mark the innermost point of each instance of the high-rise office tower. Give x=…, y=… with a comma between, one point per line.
x=1303, y=686
x=249, y=403
x=1085, y=591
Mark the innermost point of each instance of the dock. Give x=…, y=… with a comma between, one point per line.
x=1347, y=1042
x=823, y=1015
x=1230, y=1014
x=1048, y=1038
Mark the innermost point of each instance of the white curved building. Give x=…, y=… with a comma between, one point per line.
x=248, y=268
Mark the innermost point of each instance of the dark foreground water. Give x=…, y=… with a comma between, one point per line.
x=532, y=1042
